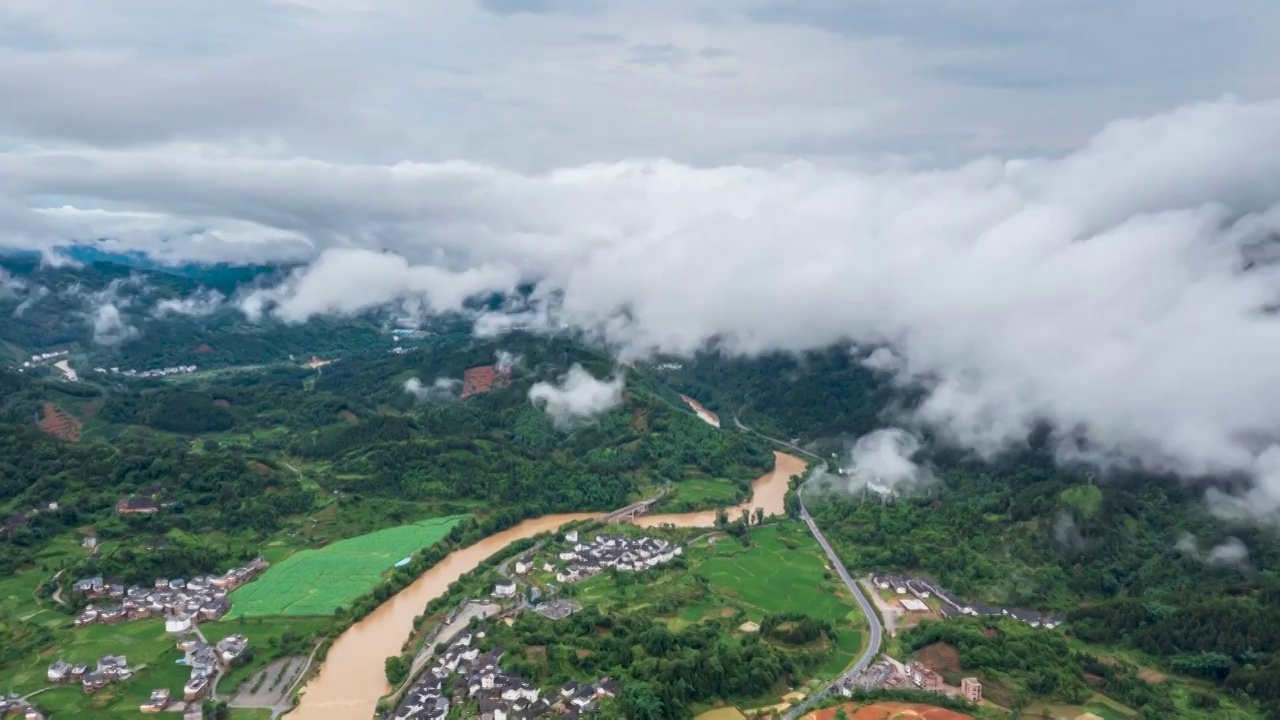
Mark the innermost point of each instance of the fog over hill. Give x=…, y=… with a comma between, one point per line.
x=1120, y=286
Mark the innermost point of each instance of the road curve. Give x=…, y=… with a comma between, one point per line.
x=873, y=619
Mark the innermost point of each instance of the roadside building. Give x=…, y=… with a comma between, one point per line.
x=504, y=588
x=159, y=700
x=972, y=689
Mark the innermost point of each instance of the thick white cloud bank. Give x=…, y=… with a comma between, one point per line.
x=1122, y=291
x=578, y=396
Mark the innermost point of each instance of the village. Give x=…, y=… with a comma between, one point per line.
x=505, y=696
x=500, y=696
x=583, y=560
x=183, y=604
x=157, y=372
x=924, y=589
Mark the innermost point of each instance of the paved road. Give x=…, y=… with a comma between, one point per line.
x=873, y=619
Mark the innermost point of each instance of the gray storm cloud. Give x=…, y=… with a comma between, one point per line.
x=1121, y=291
x=577, y=397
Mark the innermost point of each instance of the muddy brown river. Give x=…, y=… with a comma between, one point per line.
x=353, y=677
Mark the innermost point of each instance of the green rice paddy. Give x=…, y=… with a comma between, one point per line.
x=315, y=582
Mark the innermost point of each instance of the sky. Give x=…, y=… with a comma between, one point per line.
x=1039, y=209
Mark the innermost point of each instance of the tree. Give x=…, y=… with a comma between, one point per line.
x=397, y=668
x=641, y=702
x=722, y=518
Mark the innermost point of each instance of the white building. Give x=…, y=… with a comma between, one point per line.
x=504, y=588
x=177, y=623
x=571, y=536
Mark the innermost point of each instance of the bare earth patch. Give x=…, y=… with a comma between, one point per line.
x=59, y=423
x=890, y=711
x=940, y=658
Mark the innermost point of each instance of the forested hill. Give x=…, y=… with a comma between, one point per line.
x=115, y=315
x=1122, y=555
x=214, y=452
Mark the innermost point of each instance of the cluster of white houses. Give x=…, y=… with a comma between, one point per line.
x=157, y=372
x=949, y=606
x=499, y=695
x=46, y=357
x=109, y=669
x=585, y=559
x=181, y=602
x=203, y=659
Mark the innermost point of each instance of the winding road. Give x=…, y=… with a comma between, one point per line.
x=873, y=619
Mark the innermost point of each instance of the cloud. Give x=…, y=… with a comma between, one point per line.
x=200, y=304
x=506, y=361
x=1121, y=291
x=882, y=462
x=110, y=327
x=10, y=286
x=349, y=281
x=34, y=295
x=884, y=360
x=1231, y=552
x=441, y=390
x=1065, y=531
x=577, y=397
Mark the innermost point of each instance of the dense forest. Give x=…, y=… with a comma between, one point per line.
x=56, y=308
x=206, y=453
x=1106, y=550
x=1045, y=665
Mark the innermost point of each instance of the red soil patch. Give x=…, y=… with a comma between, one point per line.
x=260, y=468
x=939, y=657
x=348, y=416
x=202, y=349
x=482, y=379
x=890, y=711
x=220, y=402
x=60, y=423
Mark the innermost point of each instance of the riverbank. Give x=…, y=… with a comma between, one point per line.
x=352, y=677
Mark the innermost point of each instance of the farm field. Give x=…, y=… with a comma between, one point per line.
x=704, y=494
x=784, y=571
x=314, y=582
